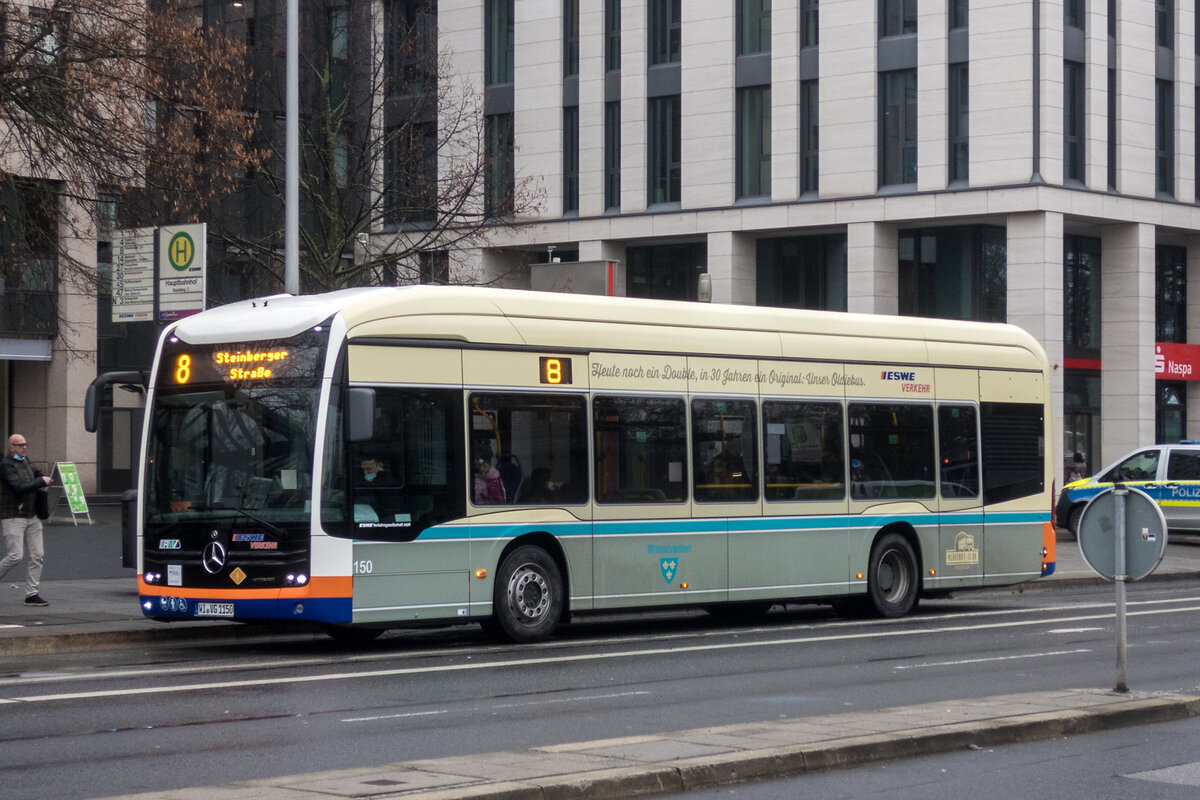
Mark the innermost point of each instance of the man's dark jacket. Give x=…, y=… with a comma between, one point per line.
x=19, y=482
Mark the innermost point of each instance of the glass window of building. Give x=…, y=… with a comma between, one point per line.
x=665, y=140
x=753, y=26
x=754, y=141
x=958, y=14
x=810, y=141
x=1081, y=296
x=802, y=272
x=410, y=174
x=1111, y=129
x=499, y=169
x=1164, y=137
x=1170, y=294
x=959, y=121
x=612, y=154
x=1164, y=23
x=665, y=27
x=570, y=145
x=1170, y=412
x=499, y=41
x=570, y=38
x=897, y=17
x=665, y=272
x=897, y=127
x=810, y=18
x=1073, y=130
x=410, y=46
x=954, y=273
x=1073, y=13
x=612, y=35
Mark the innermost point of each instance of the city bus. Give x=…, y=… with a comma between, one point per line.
x=391, y=456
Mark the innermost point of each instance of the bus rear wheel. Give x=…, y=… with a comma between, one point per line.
x=892, y=581
x=529, y=595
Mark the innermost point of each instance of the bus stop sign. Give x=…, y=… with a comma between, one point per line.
x=1144, y=533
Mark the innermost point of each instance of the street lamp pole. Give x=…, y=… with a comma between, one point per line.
x=291, y=192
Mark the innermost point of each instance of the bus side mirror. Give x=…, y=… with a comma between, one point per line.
x=360, y=414
x=95, y=393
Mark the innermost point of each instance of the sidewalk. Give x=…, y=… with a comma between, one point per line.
x=709, y=757
x=98, y=613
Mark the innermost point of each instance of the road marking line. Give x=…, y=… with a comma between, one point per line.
x=523, y=662
x=558, y=701
x=960, y=662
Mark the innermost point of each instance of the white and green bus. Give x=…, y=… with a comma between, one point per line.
x=374, y=458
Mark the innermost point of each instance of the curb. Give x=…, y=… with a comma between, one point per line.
x=83, y=641
x=708, y=772
x=639, y=774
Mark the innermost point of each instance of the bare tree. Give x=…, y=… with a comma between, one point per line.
x=395, y=164
x=104, y=96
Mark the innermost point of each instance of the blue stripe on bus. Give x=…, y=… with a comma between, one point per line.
x=312, y=609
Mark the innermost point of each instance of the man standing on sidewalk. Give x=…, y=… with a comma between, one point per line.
x=20, y=483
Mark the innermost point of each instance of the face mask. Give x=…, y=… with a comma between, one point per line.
x=371, y=477
x=18, y=458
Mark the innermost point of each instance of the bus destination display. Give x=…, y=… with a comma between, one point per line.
x=241, y=363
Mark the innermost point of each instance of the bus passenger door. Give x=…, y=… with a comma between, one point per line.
x=960, y=521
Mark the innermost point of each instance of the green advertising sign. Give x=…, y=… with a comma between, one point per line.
x=72, y=487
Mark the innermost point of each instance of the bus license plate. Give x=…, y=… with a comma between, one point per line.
x=214, y=609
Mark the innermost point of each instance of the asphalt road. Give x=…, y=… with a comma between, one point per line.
x=100, y=724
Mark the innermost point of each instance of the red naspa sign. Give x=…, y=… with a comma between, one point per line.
x=1176, y=362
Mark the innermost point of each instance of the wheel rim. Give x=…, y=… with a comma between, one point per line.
x=893, y=577
x=529, y=594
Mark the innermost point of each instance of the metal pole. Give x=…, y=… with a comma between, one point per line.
x=1119, y=576
x=291, y=192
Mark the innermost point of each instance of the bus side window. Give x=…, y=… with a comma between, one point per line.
x=803, y=450
x=534, y=434
x=724, y=450
x=641, y=449
x=411, y=467
x=958, y=451
x=894, y=444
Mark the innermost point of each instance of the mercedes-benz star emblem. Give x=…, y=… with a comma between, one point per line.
x=214, y=557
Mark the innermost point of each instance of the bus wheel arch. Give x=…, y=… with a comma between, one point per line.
x=530, y=592
x=894, y=571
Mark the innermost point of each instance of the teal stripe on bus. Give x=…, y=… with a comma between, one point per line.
x=688, y=525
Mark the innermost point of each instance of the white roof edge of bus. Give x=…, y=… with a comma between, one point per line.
x=282, y=315
x=275, y=317
x=516, y=304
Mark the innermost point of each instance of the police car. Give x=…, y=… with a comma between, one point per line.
x=1168, y=473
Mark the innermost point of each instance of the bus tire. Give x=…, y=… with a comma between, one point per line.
x=529, y=595
x=892, y=580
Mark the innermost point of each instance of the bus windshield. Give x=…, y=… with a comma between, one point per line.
x=232, y=430
x=228, y=447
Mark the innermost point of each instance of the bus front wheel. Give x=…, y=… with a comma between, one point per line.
x=529, y=595
x=892, y=580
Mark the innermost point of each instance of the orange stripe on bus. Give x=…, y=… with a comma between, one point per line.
x=336, y=586
x=1049, y=541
